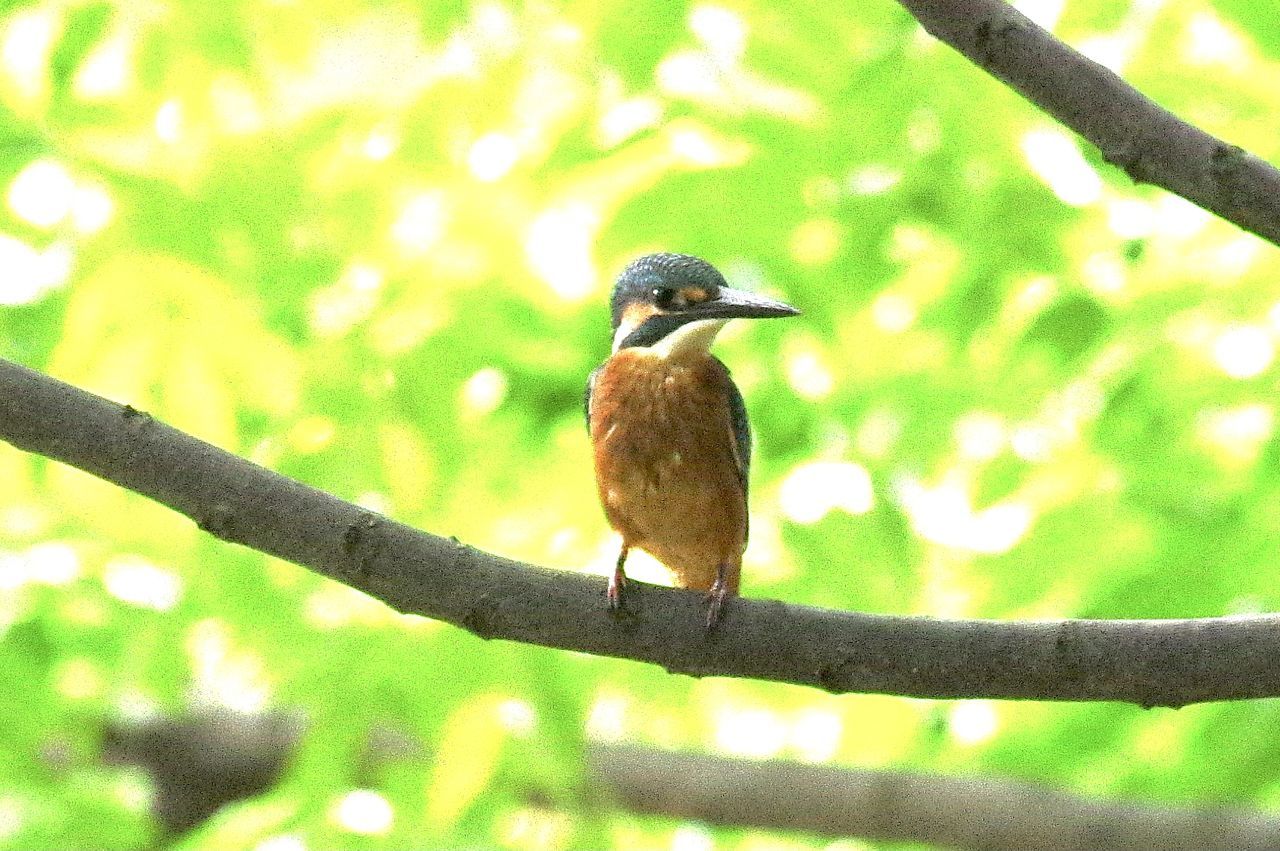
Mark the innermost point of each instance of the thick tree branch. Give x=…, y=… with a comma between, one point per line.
x=1152, y=663
x=1150, y=143
x=953, y=812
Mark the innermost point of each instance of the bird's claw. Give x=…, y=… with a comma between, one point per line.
x=613, y=593
x=715, y=601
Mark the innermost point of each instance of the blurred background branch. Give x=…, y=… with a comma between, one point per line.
x=1147, y=141
x=202, y=763
x=984, y=814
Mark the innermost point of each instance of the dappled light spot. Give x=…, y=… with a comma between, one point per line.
x=311, y=434
x=134, y=791
x=815, y=242
x=11, y=817
x=13, y=572
x=945, y=515
x=137, y=581
x=492, y=156
x=873, y=179
x=378, y=503
x=24, y=51
x=980, y=435
x=807, y=369
x=722, y=30
x=877, y=433
x=1236, y=436
x=692, y=145
x=558, y=245
x=54, y=563
x=1046, y=13
x=1179, y=218
x=812, y=491
x=421, y=222
x=483, y=392
x=924, y=129
x=689, y=74
x=715, y=74
x=365, y=812
x=537, y=828
x=606, y=720
x=692, y=837
x=336, y=309
x=23, y=520
x=1112, y=51
x=1104, y=273
x=236, y=107
x=41, y=194
x=91, y=208
x=893, y=312
x=284, y=842
x=972, y=722
x=1130, y=218
x=1236, y=256
x=815, y=734
x=107, y=71
x=757, y=732
x=30, y=274
x=1209, y=41
x=79, y=678
x=1244, y=351
x=168, y=122
x=334, y=606
x=767, y=559
x=517, y=716
x=1055, y=158
x=1031, y=442
x=626, y=118
x=224, y=675
x=381, y=143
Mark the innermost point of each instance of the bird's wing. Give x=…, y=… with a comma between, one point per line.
x=741, y=434
x=586, y=395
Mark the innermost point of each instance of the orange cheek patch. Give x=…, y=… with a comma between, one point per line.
x=694, y=295
x=634, y=315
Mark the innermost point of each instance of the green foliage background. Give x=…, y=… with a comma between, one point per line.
x=369, y=245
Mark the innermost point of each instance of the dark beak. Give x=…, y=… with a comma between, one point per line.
x=740, y=304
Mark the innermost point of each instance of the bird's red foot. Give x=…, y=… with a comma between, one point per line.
x=617, y=582
x=613, y=593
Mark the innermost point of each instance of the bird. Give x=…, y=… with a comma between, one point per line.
x=669, y=433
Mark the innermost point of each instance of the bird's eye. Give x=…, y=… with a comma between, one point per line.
x=663, y=297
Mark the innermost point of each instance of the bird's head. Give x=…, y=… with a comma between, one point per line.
x=674, y=303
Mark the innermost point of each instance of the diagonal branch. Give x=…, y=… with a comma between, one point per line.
x=1152, y=663
x=1150, y=143
x=899, y=806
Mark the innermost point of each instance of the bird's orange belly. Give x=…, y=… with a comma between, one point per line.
x=665, y=465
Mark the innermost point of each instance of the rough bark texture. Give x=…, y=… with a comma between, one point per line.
x=1150, y=143
x=1152, y=663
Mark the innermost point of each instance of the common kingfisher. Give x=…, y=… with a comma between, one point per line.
x=669, y=430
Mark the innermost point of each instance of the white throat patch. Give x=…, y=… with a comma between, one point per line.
x=690, y=337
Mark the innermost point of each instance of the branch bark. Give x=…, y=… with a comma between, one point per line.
x=1151, y=663
x=1150, y=143
x=953, y=812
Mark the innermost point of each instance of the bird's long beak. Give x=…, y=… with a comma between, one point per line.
x=740, y=304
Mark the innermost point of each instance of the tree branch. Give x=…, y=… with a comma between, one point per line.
x=953, y=812
x=1150, y=143
x=1152, y=663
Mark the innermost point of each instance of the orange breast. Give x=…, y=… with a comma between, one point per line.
x=666, y=463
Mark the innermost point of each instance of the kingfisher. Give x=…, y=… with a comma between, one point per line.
x=669, y=431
